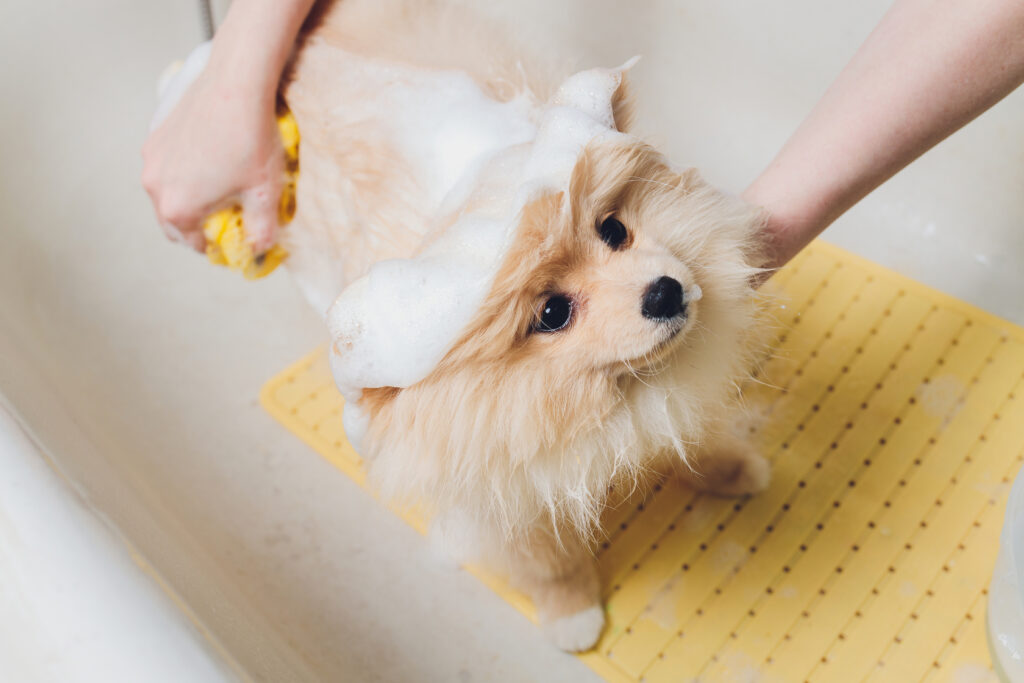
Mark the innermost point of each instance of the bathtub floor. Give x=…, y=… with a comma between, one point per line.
x=138, y=365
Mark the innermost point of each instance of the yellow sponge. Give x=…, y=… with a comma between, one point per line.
x=226, y=244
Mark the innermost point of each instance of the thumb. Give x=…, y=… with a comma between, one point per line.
x=259, y=212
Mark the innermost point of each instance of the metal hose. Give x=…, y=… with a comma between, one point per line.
x=206, y=19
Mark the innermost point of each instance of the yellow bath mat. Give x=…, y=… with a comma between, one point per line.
x=892, y=414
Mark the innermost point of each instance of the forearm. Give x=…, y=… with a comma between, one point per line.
x=927, y=69
x=253, y=44
x=226, y=116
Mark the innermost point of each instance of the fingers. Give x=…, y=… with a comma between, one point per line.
x=181, y=227
x=181, y=222
x=197, y=240
x=197, y=162
x=179, y=214
x=260, y=214
x=193, y=238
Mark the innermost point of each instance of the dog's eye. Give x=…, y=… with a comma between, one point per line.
x=613, y=232
x=555, y=314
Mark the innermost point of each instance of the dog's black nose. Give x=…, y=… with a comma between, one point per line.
x=663, y=299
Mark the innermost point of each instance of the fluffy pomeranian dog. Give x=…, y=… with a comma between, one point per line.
x=530, y=308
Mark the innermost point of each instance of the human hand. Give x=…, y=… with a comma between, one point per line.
x=218, y=146
x=924, y=72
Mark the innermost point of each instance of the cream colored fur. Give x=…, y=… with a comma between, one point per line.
x=516, y=438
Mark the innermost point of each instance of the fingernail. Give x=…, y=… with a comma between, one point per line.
x=173, y=233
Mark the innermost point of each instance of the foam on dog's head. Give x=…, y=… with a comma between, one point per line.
x=392, y=327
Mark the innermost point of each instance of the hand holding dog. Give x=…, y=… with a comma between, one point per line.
x=925, y=71
x=220, y=144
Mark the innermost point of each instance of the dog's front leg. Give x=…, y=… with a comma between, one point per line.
x=728, y=467
x=560, y=575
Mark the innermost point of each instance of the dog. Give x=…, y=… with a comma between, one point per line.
x=530, y=308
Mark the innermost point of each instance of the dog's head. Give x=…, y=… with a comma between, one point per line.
x=615, y=318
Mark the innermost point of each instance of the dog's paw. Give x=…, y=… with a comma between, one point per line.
x=576, y=632
x=742, y=473
x=732, y=469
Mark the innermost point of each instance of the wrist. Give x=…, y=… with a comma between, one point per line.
x=254, y=43
x=238, y=72
x=790, y=219
x=233, y=82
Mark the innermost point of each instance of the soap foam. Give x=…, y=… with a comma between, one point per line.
x=393, y=326
x=439, y=121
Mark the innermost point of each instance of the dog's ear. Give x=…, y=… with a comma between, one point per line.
x=601, y=94
x=622, y=105
x=391, y=327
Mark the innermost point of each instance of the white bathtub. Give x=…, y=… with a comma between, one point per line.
x=136, y=366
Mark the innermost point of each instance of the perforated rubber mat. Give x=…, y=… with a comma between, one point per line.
x=894, y=417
